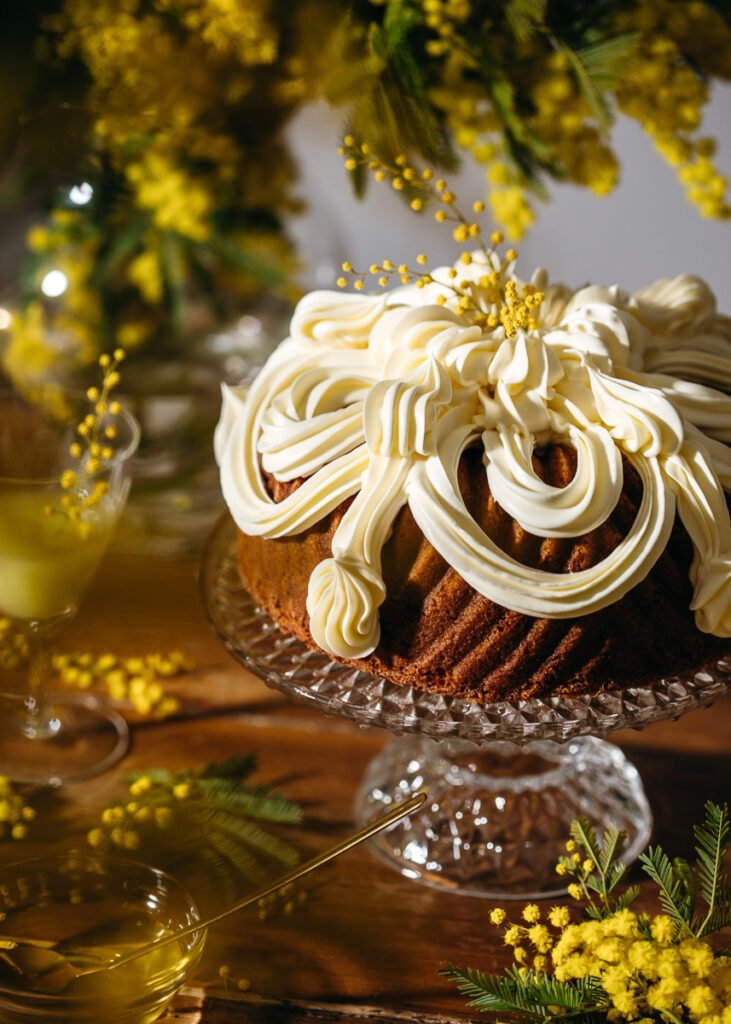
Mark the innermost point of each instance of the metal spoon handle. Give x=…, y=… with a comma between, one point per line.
x=398, y=812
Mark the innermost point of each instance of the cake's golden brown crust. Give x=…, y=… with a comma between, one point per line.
x=438, y=634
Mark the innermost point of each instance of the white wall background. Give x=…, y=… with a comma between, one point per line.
x=644, y=230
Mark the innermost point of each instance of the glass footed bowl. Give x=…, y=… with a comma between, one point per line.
x=505, y=779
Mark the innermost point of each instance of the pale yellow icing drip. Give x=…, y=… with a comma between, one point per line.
x=376, y=398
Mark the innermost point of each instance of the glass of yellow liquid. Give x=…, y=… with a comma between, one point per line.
x=59, y=502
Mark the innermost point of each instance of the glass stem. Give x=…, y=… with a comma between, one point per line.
x=40, y=722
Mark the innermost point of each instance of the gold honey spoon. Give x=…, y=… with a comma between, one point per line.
x=43, y=969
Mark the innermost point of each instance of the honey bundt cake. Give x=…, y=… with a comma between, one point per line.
x=521, y=494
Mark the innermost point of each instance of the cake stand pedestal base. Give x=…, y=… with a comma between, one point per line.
x=498, y=814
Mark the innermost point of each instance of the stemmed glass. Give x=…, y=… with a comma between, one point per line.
x=55, y=524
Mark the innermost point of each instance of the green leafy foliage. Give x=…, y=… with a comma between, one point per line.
x=613, y=843
x=523, y=149
x=527, y=993
x=603, y=62
x=608, y=870
x=525, y=17
x=597, y=68
x=217, y=816
x=582, y=832
x=588, y=86
x=400, y=94
x=695, y=899
x=674, y=883
x=713, y=839
x=237, y=767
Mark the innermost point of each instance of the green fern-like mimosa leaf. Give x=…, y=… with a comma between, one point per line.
x=672, y=890
x=713, y=839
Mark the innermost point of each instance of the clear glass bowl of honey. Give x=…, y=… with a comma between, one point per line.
x=84, y=911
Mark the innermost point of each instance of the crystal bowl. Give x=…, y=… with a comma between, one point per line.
x=90, y=908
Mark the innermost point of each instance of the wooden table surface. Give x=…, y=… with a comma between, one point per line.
x=368, y=943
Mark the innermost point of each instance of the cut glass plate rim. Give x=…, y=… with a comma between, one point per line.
x=310, y=677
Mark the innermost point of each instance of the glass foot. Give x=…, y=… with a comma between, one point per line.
x=81, y=737
x=498, y=815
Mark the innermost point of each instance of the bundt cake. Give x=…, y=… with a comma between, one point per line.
x=516, y=494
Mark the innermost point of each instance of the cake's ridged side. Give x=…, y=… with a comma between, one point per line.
x=438, y=634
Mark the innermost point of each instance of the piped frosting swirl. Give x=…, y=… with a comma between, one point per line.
x=376, y=399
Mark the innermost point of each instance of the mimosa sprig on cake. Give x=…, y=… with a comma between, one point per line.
x=489, y=299
x=93, y=450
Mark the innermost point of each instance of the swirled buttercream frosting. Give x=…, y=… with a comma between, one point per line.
x=367, y=412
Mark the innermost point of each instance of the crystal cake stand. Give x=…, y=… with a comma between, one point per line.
x=504, y=779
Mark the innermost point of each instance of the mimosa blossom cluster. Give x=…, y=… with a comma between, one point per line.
x=615, y=964
x=15, y=813
x=641, y=963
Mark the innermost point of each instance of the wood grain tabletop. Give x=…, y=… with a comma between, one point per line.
x=367, y=944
